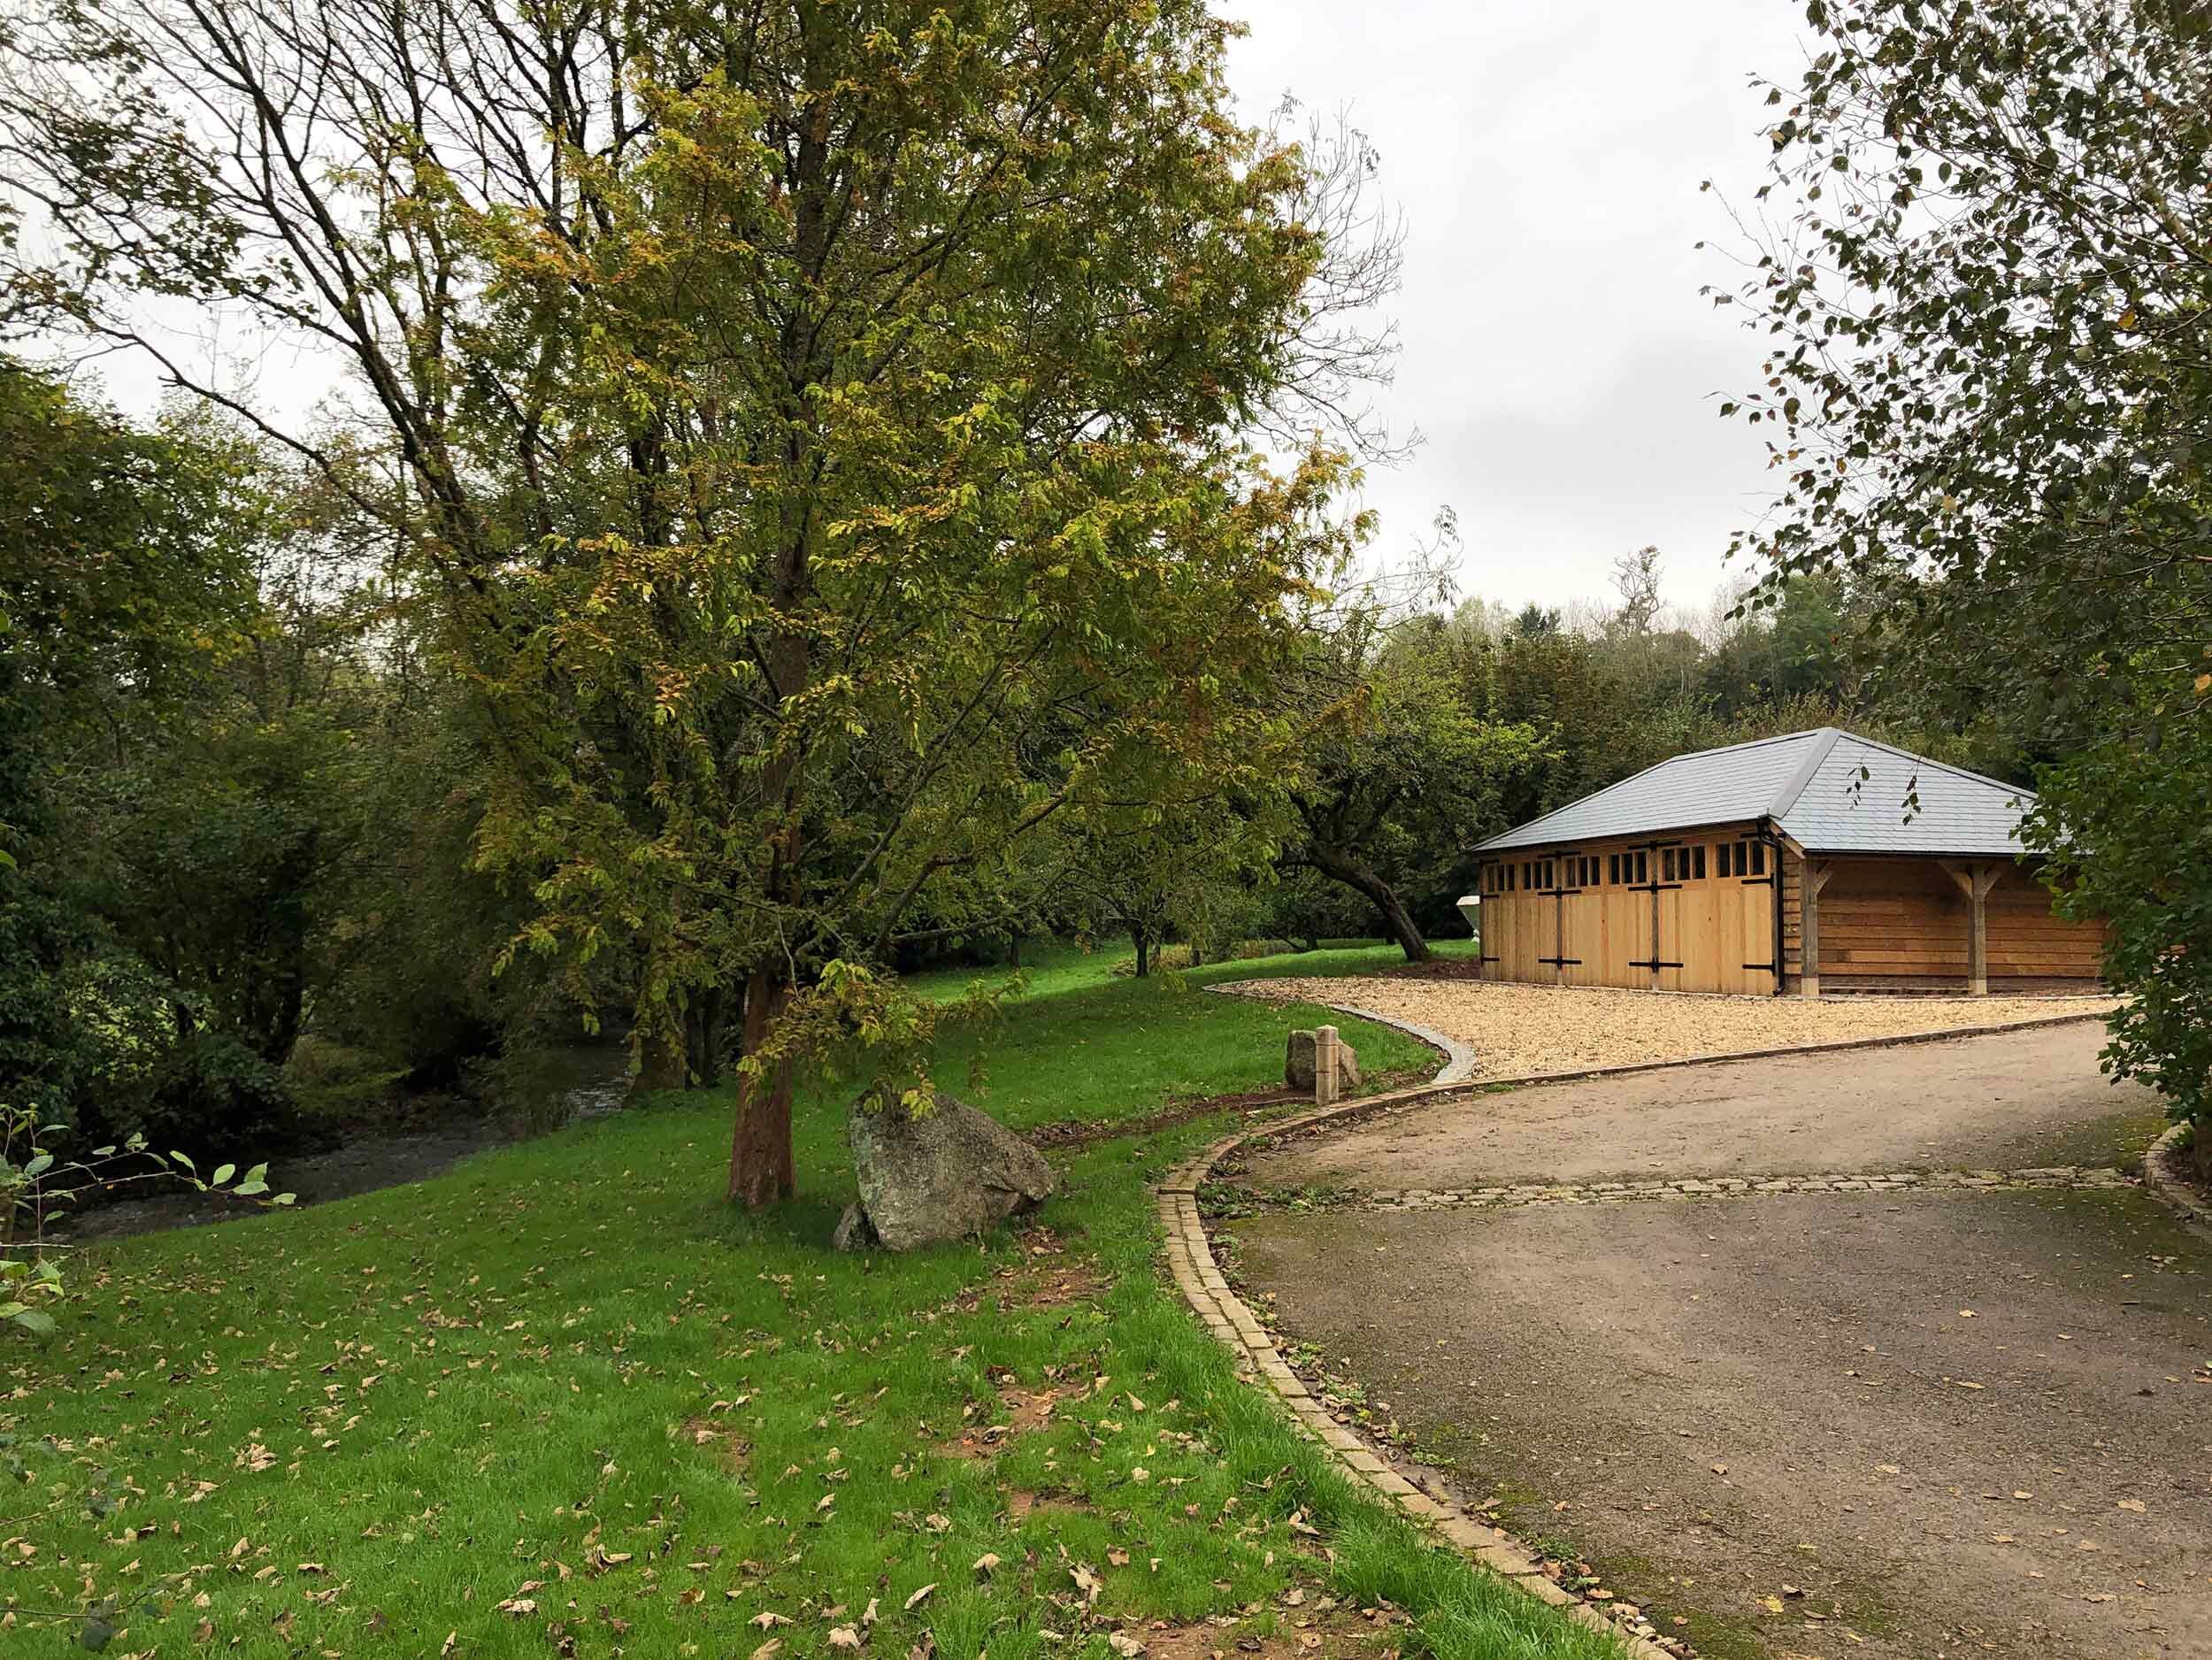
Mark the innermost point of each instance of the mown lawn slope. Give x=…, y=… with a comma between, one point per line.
x=564, y=1400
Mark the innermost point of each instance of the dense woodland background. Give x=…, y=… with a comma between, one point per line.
x=245, y=794
x=884, y=499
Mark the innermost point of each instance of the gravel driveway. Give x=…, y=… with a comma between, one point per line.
x=1890, y=1423
x=2005, y=1102
x=1519, y=1030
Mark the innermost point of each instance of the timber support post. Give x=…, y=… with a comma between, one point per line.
x=1817, y=872
x=1974, y=881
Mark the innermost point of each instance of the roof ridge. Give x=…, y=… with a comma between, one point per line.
x=1748, y=743
x=1529, y=824
x=1919, y=759
x=1603, y=790
x=1825, y=741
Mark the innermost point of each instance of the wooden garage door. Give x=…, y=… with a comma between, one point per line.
x=1716, y=916
x=1516, y=922
x=1605, y=927
x=1699, y=912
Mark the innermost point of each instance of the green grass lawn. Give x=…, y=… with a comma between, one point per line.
x=1060, y=966
x=564, y=1400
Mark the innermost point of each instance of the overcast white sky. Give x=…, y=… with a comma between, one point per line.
x=1557, y=356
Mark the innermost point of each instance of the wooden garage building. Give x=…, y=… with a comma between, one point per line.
x=1820, y=861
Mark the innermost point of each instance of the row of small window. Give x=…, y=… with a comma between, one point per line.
x=1624, y=870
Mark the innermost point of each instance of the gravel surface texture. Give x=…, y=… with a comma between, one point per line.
x=1517, y=1030
x=2003, y=1102
x=1934, y=1424
x=1886, y=1424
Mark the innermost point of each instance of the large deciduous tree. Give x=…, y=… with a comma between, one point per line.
x=1403, y=772
x=824, y=423
x=1988, y=380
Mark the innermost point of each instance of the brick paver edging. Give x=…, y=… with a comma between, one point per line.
x=2165, y=1183
x=1191, y=1260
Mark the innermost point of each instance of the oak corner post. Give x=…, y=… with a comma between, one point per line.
x=1817, y=872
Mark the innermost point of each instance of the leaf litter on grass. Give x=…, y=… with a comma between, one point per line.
x=566, y=1366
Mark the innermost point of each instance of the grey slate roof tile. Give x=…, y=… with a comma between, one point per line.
x=1832, y=791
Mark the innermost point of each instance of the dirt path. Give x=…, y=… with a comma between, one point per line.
x=2005, y=1102
x=1923, y=1423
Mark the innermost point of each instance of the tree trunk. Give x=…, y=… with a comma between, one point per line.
x=1401, y=925
x=762, y=1170
x=763, y=1165
x=1396, y=918
x=1142, y=941
x=703, y=1036
x=277, y=999
x=660, y=1062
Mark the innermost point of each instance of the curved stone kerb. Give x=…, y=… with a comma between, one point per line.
x=1459, y=1058
x=2164, y=1181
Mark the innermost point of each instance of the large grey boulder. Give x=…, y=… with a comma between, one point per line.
x=1298, y=1065
x=950, y=1174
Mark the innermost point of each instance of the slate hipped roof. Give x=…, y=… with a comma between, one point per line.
x=1829, y=790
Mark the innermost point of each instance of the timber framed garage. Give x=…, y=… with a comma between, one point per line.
x=1816, y=861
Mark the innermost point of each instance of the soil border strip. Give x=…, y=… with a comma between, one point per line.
x=1191, y=1261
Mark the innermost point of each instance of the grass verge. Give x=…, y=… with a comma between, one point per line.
x=563, y=1398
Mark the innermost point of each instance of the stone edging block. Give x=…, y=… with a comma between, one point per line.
x=1191, y=1261
x=2165, y=1184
